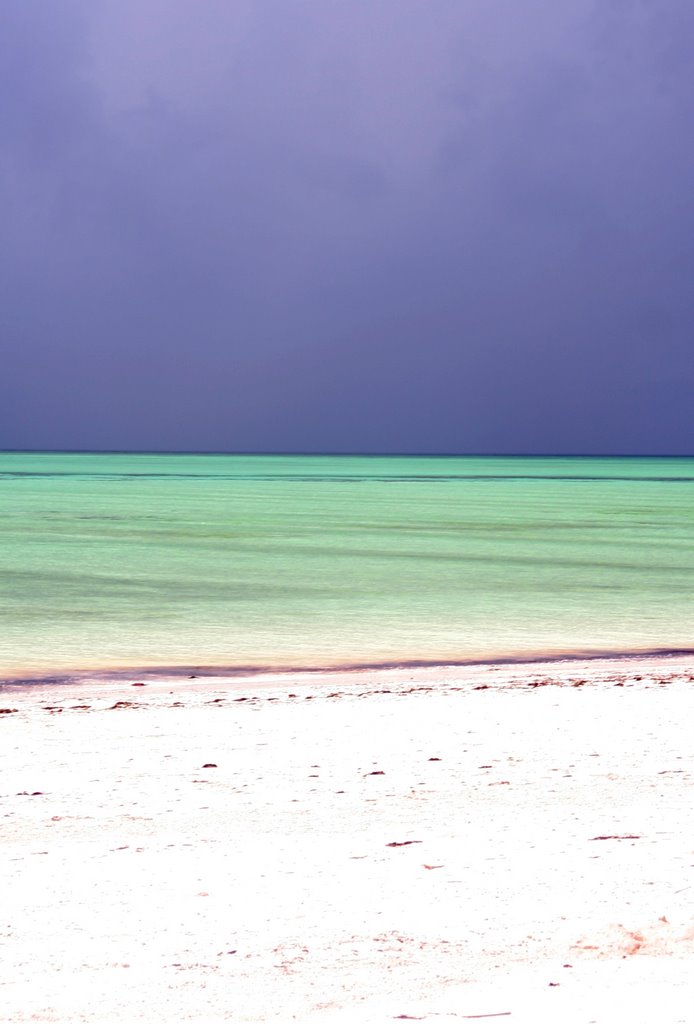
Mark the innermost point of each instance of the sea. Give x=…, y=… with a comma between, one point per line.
x=232, y=563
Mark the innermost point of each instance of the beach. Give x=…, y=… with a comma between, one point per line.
x=453, y=843
x=347, y=513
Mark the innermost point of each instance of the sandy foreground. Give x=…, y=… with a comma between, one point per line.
x=511, y=843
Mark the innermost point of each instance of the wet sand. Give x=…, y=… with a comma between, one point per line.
x=489, y=842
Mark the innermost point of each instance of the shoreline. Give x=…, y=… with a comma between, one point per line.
x=427, y=669
x=152, y=692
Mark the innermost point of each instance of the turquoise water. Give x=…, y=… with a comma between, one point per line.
x=119, y=561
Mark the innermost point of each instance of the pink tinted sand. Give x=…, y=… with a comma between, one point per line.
x=512, y=843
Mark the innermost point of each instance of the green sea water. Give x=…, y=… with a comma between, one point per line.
x=119, y=561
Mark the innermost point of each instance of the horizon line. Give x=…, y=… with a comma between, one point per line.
x=347, y=454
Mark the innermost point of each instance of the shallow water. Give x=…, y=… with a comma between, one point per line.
x=118, y=561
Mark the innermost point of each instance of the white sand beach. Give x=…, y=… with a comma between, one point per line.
x=494, y=842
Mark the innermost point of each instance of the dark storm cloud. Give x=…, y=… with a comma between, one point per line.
x=347, y=225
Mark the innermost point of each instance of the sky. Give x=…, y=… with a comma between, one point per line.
x=347, y=225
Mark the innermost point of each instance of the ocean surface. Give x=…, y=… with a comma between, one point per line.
x=126, y=561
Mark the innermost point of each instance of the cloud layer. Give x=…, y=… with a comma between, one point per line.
x=333, y=225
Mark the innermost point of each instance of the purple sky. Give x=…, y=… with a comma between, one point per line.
x=347, y=225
